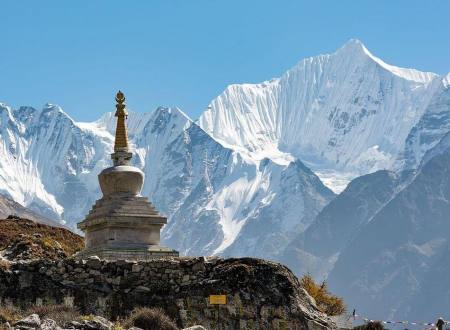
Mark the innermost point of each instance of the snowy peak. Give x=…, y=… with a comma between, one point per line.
x=344, y=114
x=168, y=119
x=355, y=47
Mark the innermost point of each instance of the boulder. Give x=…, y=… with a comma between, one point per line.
x=30, y=322
x=48, y=324
x=98, y=323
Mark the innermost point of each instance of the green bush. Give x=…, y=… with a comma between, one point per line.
x=150, y=319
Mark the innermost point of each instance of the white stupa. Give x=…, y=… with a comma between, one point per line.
x=123, y=224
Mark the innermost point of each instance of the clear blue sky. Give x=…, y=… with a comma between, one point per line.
x=184, y=53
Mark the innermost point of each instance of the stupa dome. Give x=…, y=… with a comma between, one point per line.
x=121, y=179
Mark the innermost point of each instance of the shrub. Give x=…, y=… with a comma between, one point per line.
x=61, y=314
x=325, y=301
x=150, y=319
x=9, y=314
x=4, y=264
x=370, y=326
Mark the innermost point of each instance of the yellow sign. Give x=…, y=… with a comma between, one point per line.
x=218, y=299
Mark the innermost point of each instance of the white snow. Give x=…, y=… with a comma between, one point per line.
x=347, y=112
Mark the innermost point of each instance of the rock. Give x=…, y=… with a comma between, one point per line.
x=98, y=323
x=94, y=262
x=48, y=324
x=67, y=283
x=135, y=328
x=142, y=289
x=33, y=321
x=196, y=327
x=136, y=268
x=116, y=281
x=73, y=325
x=199, y=267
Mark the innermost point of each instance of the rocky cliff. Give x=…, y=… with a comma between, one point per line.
x=260, y=294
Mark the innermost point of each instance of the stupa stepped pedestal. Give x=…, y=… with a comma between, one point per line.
x=123, y=225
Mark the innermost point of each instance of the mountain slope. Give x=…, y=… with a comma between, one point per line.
x=317, y=249
x=8, y=207
x=432, y=126
x=199, y=184
x=382, y=269
x=347, y=113
x=297, y=195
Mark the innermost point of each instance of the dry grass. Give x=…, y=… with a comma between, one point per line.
x=5, y=265
x=9, y=314
x=61, y=314
x=325, y=301
x=42, y=241
x=150, y=319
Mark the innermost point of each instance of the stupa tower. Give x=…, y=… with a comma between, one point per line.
x=123, y=224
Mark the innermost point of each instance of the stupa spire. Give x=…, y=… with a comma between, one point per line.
x=121, y=142
x=121, y=155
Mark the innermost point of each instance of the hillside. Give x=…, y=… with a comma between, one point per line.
x=22, y=239
x=10, y=207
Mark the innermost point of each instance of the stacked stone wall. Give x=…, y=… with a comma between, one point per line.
x=260, y=294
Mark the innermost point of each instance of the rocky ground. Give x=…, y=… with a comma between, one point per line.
x=260, y=294
x=24, y=240
x=36, y=269
x=33, y=321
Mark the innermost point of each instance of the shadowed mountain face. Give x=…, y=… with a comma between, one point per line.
x=316, y=249
x=8, y=208
x=386, y=267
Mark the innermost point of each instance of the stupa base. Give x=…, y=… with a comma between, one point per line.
x=131, y=254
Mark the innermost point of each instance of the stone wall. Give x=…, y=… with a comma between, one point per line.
x=260, y=294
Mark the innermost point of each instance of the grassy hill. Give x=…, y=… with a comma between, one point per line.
x=23, y=239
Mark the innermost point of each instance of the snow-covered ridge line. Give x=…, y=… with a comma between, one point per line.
x=406, y=73
x=347, y=113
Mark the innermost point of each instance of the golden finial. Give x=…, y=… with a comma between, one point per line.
x=120, y=106
x=121, y=141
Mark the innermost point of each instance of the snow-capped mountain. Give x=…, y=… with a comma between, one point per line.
x=432, y=126
x=343, y=114
x=250, y=177
x=51, y=163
